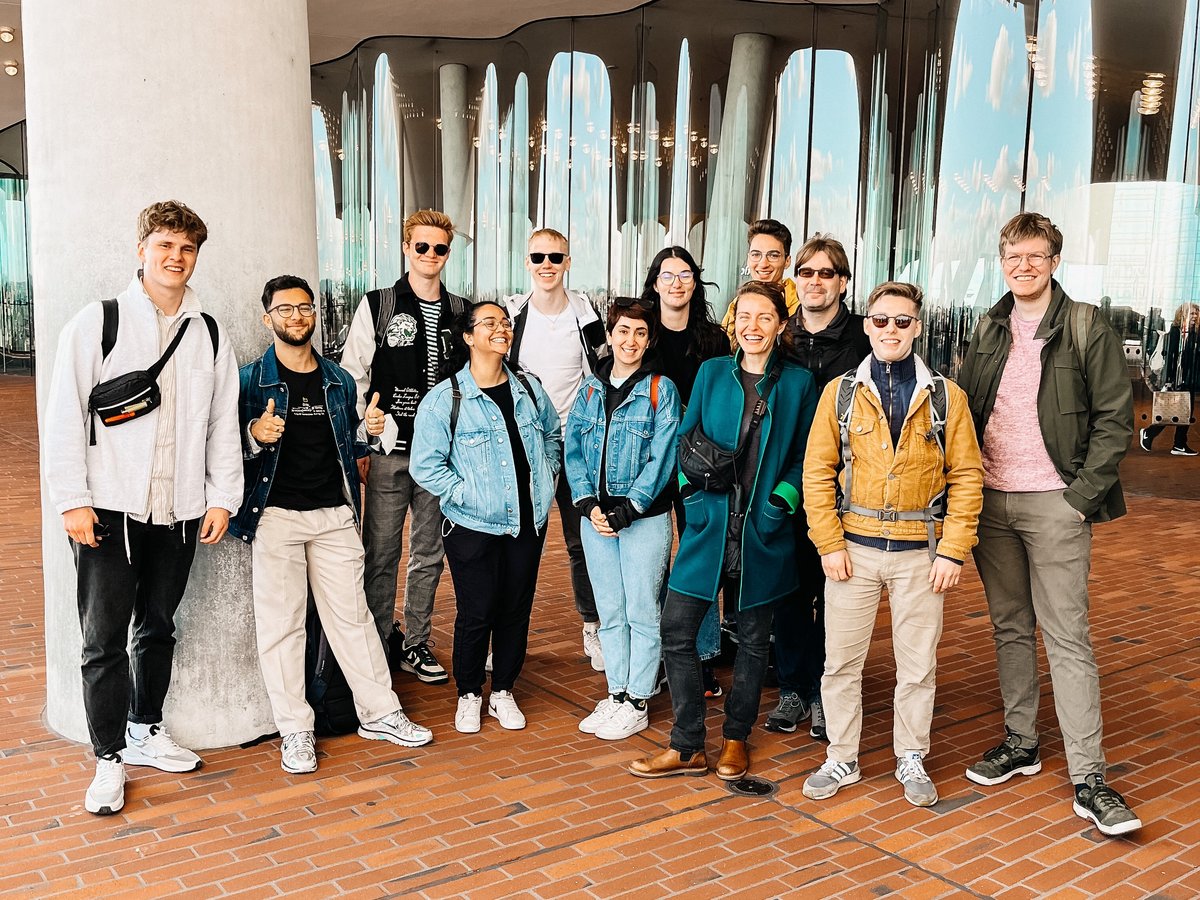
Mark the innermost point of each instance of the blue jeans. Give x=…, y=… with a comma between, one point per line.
x=681, y=618
x=627, y=573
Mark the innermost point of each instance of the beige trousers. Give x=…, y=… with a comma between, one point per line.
x=850, y=610
x=292, y=550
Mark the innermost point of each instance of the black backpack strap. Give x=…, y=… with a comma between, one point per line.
x=519, y=322
x=455, y=403
x=382, y=304
x=108, y=334
x=213, y=334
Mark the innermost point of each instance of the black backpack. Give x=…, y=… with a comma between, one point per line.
x=325, y=686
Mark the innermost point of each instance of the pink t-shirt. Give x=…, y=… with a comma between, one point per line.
x=1014, y=454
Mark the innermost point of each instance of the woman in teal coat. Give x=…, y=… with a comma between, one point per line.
x=751, y=553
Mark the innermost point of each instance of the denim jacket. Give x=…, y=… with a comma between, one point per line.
x=473, y=474
x=641, y=441
x=260, y=382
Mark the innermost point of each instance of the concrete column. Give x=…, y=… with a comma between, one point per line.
x=214, y=110
x=750, y=91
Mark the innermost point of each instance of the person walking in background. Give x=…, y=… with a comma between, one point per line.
x=1181, y=372
x=619, y=457
x=487, y=444
x=892, y=490
x=757, y=407
x=1053, y=410
x=559, y=337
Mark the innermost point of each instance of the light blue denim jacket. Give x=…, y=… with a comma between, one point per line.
x=473, y=476
x=641, y=442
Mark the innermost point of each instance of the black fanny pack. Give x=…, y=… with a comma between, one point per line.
x=132, y=395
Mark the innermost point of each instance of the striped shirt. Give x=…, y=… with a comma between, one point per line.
x=431, y=313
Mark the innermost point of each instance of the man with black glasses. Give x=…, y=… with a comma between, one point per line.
x=398, y=340
x=559, y=337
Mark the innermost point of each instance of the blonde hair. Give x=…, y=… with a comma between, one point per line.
x=430, y=218
x=1024, y=226
x=552, y=233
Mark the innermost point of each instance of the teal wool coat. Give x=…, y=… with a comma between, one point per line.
x=768, y=546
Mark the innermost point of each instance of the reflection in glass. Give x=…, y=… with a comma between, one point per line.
x=16, y=297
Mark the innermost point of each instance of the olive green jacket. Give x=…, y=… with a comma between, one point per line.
x=1085, y=401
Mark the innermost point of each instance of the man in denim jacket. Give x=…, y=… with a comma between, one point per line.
x=301, y=511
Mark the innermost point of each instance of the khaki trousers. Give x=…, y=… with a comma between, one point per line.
x=292, y=550
x=850, y=610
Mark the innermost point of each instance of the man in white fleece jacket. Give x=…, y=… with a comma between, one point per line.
x=137, y=496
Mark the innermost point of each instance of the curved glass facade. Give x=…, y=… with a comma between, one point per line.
x=911, y=132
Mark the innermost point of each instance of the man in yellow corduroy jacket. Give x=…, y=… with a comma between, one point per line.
x=899, y=509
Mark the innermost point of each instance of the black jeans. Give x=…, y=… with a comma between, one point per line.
x=585, y=600
x=800, y=623
x=116, y=585
x=494, y=579
x=680, y=623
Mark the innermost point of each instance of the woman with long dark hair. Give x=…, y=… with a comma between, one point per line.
x=758, y=406
x=487, y=443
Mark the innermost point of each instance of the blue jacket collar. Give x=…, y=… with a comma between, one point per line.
x=268, y=375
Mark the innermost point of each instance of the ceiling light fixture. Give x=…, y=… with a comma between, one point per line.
x=7, y=35
x=11, y=68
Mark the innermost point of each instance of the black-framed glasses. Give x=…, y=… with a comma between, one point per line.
x=555, y=258
x=668, y=278
x=286, y=310
x=628, y=302
x=493, y=324
x=773, y=256
x=902, y=322
x=825, y=272
x=423, y=247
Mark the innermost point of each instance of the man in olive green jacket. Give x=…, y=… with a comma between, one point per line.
x=1053, y=409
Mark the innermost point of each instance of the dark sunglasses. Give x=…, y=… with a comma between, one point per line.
x=809, y=273
x=422, y=248
x=555, y=258
x=902, y=322
x=627, y=302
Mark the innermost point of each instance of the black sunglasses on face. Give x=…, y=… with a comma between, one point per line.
x=809, y=273
x=421, y=247
x=902, y=322
x=627, y=302
x=555, y=258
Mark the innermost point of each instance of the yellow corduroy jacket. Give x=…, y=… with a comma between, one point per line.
x=793, y=304
x=903, y=478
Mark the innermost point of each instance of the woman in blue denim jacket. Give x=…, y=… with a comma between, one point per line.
x=486, y=441
x=620, y=458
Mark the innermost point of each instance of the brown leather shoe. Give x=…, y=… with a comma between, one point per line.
x=667, y=763
x=734, y=761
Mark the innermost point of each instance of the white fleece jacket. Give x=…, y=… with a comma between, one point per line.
x=115, y=473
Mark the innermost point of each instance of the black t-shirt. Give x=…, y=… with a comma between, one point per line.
x=748, y=458
x=308, y=474
x=502, y=396
x=675, y=362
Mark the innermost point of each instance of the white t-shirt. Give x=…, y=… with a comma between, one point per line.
x=551, y=350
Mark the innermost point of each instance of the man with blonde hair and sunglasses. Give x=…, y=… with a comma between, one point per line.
x=559, y=337
x=1053, y=409
x=892, y=488
x=398, y=341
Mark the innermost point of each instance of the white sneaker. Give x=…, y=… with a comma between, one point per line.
x=157, y=749
x=626, y=721
x=503, y=707
x=591, y=645
x=299, y=753
x=106, y=794
x=466, y=720
x=824, y=783
x=599, y=716
x=397, y=728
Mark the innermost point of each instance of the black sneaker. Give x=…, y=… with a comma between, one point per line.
x=1106, y=808
x=1145, y=441
x=419, y=660
x=1004, y=761
x=817, y=726
x=712, y=687
x=394, y=647
x=791, y=710
x=1184, y=451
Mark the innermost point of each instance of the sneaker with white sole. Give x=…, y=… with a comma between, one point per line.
x=397, y=728
x=157, y=748
x=818, y=729
x=298, y=753
x=503, y=707
x=1145, y=441
x=626, y=721
x=466, y=719
x=604, y=709
x=420, y=661
x=591, y=645
x=1107, y=809
x=106, y=794
x=1184, y=451
x=790, y=711
x=919, y=789
x=824, y=783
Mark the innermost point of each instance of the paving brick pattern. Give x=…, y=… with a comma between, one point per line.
x=549, y=812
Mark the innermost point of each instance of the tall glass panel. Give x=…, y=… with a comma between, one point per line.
x=16, y=299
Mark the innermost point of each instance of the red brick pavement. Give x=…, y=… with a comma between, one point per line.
x=549, y=812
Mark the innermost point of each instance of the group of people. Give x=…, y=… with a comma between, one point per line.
x=816, y=464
